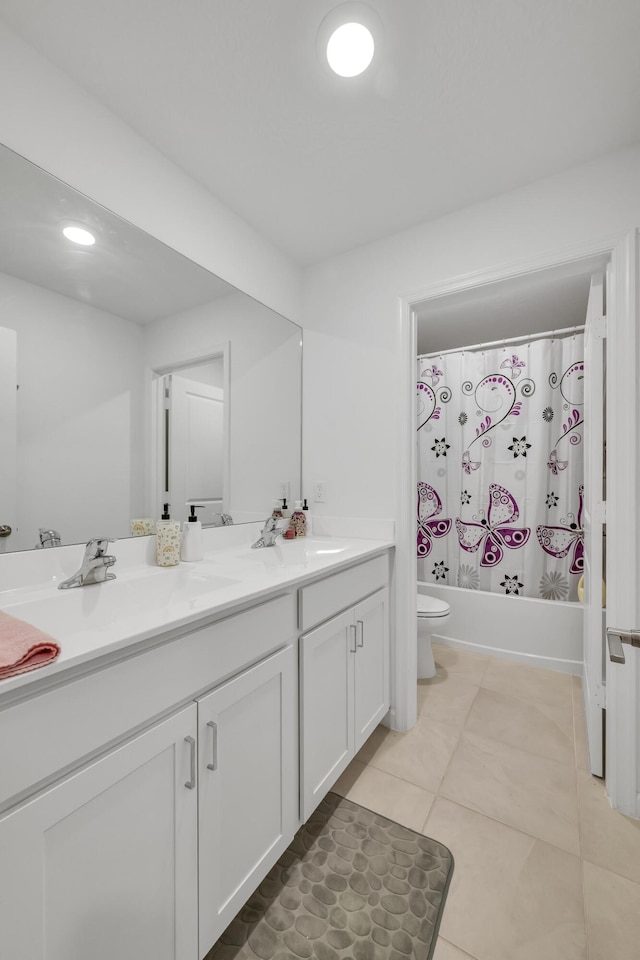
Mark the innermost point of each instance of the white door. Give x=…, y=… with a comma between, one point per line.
x=327, y=666
x=248, y=792
x=197, y=444
x=623, y=523
x=104, y=863
x=593, y=524
x=8, y=436
x=371, y=664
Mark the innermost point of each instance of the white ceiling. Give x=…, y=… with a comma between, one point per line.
x=468, y=99
x=127, y=272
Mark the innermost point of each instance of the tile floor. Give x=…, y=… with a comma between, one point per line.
x=496, y=769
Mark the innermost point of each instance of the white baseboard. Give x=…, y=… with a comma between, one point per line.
x=533, y=659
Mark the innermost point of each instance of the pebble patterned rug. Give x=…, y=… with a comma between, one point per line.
x=352, y=884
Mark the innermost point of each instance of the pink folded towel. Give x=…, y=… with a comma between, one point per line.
x=23, y=647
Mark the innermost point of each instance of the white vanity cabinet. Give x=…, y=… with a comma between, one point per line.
x=103, y=863
x=108, y=859
x=145, y=796
x=344, y=673
x=247, y=760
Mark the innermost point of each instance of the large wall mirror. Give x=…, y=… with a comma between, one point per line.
x=130, y=376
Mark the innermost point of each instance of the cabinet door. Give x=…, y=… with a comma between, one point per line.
x=248, y=786
x=104, y=863
x=326, y=707
x=371, y=664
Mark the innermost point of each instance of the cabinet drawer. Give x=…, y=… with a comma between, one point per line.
x=322, y=600
x=61, y=727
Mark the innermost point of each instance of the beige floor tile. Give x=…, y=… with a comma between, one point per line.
x=612, y=906
x=512, y=897
x=462, y=663
x=520, y=723
x=385, y=794
x=420, y=756
x=528, y=682
x=446, y=699
x=579, y=726
x=446, y=951
x=607, y=837
x=525, y=791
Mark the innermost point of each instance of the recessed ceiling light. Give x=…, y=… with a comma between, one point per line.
x=348, y=38
x=350, y=49
x=79, y=235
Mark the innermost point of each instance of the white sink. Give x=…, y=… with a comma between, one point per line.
x=99, y=606
x=150, y=598
x=291, y=553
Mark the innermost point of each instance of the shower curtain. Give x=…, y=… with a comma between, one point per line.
x=500, y=468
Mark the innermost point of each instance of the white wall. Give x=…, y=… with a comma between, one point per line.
x=211, y=373
x=265, y=391
x=79, y=416
x=53, y=122
x=351, y=315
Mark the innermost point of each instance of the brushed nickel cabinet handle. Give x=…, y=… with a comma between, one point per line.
x=360, y=623
x=214, y=746
x=353, y=627
x=191, y=783
x=5, y=530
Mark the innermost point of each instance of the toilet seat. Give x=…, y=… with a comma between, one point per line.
x=432, y=607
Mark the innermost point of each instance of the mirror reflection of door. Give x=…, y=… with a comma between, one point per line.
x=8, y=436
x=196, y=441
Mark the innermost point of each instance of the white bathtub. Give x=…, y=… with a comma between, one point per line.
x=544, y=633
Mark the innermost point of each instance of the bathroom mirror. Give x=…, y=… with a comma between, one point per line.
x=96, y=342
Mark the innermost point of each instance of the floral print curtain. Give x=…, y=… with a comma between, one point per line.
x=500, y=468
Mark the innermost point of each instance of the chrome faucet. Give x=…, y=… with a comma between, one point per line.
x=48, y=538
x=95, y=565
x=221, y=520
x=269, y=534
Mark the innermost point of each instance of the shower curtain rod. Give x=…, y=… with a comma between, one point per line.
x=528, y=338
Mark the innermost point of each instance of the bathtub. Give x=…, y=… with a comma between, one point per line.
x=544, y=633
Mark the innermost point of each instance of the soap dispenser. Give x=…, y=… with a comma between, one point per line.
x=299, y=520
x=307, y=514
x=167, y=540
x=192, y=547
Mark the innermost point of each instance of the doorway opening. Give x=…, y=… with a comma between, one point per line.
x=500, y=496
x=621, y=255
x=190, y=410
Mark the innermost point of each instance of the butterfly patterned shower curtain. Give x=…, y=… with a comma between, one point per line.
x=500, y=468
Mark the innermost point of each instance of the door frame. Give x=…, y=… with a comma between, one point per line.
x=623, y=316
x=154, y=394
x=9, y=433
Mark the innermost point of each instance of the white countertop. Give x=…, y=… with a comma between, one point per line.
x=145, y=600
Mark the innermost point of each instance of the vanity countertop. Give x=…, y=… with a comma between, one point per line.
x=146, y=601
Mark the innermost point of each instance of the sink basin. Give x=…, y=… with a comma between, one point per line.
x=100, y=606
x=291, y=553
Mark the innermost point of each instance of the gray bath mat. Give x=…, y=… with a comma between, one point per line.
x=352, y=884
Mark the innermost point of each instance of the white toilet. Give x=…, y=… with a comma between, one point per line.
x=429, y=608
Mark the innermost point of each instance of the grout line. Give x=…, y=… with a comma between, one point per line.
x=511, y=746
x=451, y=943
x=601, y=866
x=509, y=826
x=529, y=700
x=575, y=725
x=410, y=783
x=584, y=911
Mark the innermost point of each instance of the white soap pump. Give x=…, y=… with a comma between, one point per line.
x=192, y=547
